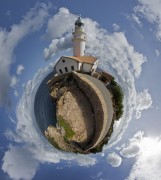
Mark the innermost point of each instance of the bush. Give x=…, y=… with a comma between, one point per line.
x=117, y=98
x=69, y=133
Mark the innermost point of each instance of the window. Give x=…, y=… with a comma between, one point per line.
x=63, y=60
x=66, y=69
x=103, y=79
x=72, y=68
x=60, y=71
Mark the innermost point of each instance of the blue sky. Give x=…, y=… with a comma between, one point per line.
x=126, y=38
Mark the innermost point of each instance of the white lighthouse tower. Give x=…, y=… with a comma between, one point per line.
x=79, y=38
x=79, y=62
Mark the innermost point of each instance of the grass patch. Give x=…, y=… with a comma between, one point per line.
x=69, y=133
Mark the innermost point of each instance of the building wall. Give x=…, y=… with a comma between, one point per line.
x=87, y=67
x=65, y=65
x=95, y=65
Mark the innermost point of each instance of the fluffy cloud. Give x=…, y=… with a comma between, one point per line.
x=116, y=27
x=13, y=82
x=60, y=23
x=132, y=148
x=114, y=159
x=19, y=163
x=57, y=45
x=146, y=152
x=143, y=101
x=157, y=52
x=20, y=68
x=150, y=10
x=33, y=20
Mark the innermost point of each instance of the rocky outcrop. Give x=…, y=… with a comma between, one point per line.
x=56, y=138
x=75, y=109
x=84, y=112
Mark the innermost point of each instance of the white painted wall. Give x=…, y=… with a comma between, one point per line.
x=68, y=63
x=78, y=47
x=95, y=65
x=87, y=67
x=79, y=41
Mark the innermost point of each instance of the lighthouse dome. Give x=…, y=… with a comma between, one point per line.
x=79, y=23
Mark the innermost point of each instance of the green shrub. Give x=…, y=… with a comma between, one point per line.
x=118, y=98
x=69, y=133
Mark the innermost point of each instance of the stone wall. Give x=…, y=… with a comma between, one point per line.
x=99, y=105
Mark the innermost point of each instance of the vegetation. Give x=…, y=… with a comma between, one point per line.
x=117, y=98
x=69, y=133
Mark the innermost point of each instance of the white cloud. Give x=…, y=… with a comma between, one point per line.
x=132, y=148
x=18, y=163
x=157, y=52
x=143, y=101
x=57, y=45
x=12, y=136
x=16, y=94
x=150, y=10
x=130, y=151
x=20, y=68
x=147, y=155
x=136, y=19
x=114, y=159
x=14, y=81
x=33, y=21
x=60, y=23
x=116, y=27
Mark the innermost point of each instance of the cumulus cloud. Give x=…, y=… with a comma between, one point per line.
x=14, y=81
x=157, y=52
x=12, y=136
x=150, y=10
x=60, y=23
x=57, y=45
x=136, y=19
x=114, y=159
x=132, y=148
x=146, y=151
x=33, y=20
x=143, y=101
x=20, y=68
x=116, y=27
x=19, y=163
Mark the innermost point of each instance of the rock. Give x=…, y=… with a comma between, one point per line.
x=74, y=107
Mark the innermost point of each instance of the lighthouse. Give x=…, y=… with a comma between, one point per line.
x=79, y=38
x=79, y=62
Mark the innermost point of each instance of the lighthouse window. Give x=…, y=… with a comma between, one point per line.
x=66, y=69
x=72, y=67
x=63, y=61
x=60, y=71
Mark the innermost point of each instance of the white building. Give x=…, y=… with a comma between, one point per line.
x=78, y=62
